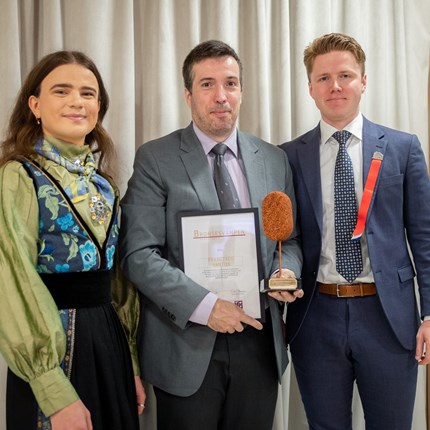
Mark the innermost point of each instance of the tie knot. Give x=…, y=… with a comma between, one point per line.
x=342, y=136
x=219, y=149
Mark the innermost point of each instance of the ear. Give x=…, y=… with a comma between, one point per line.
x=310, y=89
x=363, y=83
x=33, y=104
x=187, y=97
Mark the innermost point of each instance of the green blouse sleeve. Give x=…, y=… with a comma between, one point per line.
x=32, y=340
x=125, y=298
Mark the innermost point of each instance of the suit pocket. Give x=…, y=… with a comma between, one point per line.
x=406, y=273
x=391, y=180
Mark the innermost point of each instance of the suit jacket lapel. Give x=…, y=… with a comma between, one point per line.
x=254, y=169
x=308, y=157
x=256, y=179
x=373, y=141
x=197, y=167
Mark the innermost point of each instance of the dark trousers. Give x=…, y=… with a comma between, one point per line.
x=346, y=340
x=238, y=392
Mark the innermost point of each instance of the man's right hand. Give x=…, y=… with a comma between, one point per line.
x=226, y=317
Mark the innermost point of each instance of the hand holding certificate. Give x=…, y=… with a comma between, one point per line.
x=221, y=252
x=227, y=317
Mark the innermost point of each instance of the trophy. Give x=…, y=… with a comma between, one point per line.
x=278, y=224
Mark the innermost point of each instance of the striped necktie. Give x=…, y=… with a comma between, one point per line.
x=227, y=194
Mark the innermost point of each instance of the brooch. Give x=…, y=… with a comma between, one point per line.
x=99, y=210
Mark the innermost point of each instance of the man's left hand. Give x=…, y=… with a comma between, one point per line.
x=286, y=296
x=423, y=339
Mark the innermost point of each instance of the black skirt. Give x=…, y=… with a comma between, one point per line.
x=101, y=372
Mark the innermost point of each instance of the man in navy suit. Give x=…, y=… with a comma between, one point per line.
x=363, y=327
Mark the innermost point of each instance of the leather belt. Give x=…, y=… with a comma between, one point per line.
x=348, y=290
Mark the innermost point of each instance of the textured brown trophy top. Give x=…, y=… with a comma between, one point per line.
x=277, y=216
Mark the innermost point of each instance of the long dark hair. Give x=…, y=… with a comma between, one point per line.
x=23, y=130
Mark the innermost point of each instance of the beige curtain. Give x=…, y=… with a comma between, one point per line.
x=139, y=46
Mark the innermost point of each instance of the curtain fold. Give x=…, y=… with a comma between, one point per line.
x=139, y=47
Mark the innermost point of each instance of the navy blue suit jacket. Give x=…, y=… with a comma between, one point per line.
x=399, y=215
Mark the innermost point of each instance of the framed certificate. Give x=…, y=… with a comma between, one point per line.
x=220, y=250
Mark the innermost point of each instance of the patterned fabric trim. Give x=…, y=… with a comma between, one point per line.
x=68, y=320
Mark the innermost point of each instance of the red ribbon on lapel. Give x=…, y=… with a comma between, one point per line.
x=369, y=188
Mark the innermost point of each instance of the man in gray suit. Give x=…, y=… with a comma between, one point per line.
x=212, y=366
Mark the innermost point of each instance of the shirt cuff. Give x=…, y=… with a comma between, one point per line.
x=203, y=310
x=426, y=318
x=53, y=391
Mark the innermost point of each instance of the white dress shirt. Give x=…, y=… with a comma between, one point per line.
x=236, y=170
x=329, y=146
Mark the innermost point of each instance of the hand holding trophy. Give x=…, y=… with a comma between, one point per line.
x=278, y=224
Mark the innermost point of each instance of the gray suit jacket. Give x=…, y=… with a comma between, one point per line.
x=171, y=174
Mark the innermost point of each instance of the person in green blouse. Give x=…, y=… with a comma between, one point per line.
x=67, y=323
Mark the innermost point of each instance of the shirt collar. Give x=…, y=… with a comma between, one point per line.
x=208, y=143
x=355, y=127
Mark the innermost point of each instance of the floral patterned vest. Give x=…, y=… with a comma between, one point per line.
x=66, y=244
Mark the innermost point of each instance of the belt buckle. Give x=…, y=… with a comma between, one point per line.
x=337, y=290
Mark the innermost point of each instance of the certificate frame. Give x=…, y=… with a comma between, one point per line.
x=221, y=251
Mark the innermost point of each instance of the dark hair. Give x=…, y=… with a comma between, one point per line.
x=333, y=42
x=23, y=130
x=203, y=51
